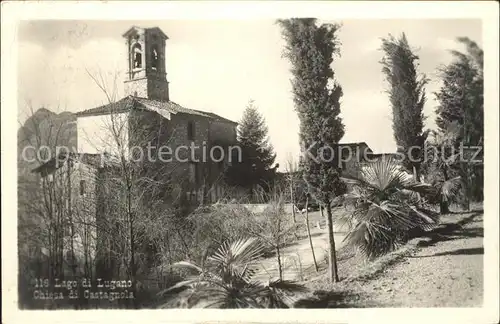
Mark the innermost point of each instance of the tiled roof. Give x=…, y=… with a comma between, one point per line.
x=353, y=144
x=86, y=158
x=121, y=105
x=131, y=102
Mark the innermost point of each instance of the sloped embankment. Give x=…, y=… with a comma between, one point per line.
x=442, y=269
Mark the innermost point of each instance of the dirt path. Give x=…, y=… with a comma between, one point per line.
x=297, y=260
x=446, y=272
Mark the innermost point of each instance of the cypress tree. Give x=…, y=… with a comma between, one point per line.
x=310, y=49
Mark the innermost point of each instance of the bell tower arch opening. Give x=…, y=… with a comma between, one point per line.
x=146, y=72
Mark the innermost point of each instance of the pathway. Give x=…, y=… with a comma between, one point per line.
x=297, y=258
x=446, y=272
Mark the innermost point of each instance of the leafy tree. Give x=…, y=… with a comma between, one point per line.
x=225, y=279
x=441, y=162
x=387, y=208
x=257, y=155
x=310, y=49
x=407, y=96
x=461, y=102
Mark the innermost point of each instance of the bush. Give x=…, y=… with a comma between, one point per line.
x=387, y=208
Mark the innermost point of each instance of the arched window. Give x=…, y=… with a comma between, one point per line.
x=136, y=56
x=190, y=130
x=154, y=57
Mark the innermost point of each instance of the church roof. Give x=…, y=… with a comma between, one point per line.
x=135, y=30
x=161, y=107
x=354, y=147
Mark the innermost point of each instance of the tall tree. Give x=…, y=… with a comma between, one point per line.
x=311, y=48
x=461, y=102
x=407, y=97
x=257, y=155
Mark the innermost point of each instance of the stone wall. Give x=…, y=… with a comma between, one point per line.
x=260, y=208
x=151, y=88
x=181, y=155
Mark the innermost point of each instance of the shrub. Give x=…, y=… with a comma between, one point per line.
x=387, y=208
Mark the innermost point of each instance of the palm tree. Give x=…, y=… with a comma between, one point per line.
x=387, y=208
x=225, y=279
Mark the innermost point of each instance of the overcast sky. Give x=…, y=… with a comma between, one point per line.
x=219, y=66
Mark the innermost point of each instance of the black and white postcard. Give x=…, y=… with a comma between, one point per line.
x=299, y=162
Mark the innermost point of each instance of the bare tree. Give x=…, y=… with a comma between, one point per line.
x=46, y=230
x=274, y=228
x=143, y=199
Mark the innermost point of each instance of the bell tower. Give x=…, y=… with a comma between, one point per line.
x=146, y=76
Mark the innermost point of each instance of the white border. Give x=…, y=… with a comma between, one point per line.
x=13, y=12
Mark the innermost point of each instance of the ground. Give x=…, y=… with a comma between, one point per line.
x=446, y=272
x=442, y=269
x=297, y=260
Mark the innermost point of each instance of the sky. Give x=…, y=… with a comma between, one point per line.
x=220, y=65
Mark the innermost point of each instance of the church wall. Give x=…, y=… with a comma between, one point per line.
x=96, y=135
x=222, y=131
x=84, y=216
x=190, y=173
x=152, y=88
x=137, y=88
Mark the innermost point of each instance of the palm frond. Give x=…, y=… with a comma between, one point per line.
x=280, y=293
x=182, y=284
x=287, y=285
x=450, y=189
x=387, y=206
x=372, y=239
x=421, y=188
x=241, y=252
x=225, y=282
x=187, y=265
x=383, y=174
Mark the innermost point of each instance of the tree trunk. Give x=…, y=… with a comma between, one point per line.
x=278, y=257
x=309, y=235
x=443, y=207
x=292, y=201
x=443, y=204
x=132, y=245
x=416, y=173
x=468, y=187
x=332, y=256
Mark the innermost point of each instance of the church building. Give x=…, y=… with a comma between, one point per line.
x=181, y=152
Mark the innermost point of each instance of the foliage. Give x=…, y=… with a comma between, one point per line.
x=442, y=173
x=407, y=96
x=461, y=103
x=310, y=49
x=461, y=94
x=225, y=279
x=216, y=224
x=387, y=208
x=257, y=155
